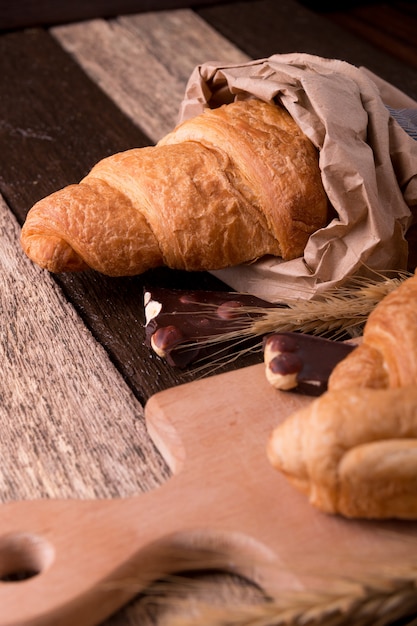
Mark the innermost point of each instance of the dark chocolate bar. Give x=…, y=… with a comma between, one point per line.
x=302, y=362
x=179, y=322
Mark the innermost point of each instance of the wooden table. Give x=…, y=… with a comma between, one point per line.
x=75, y=371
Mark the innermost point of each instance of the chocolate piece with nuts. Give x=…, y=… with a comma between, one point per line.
x=302, y=362
x=180, y=323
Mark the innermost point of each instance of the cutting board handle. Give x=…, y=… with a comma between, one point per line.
x=76, y=561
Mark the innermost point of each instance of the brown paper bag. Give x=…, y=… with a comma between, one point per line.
x=368, y=165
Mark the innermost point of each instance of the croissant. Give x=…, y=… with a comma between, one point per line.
x=353, y=451
x=387, y=356
x=227, y=187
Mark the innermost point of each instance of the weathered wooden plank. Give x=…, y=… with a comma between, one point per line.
x=287, y=26
x=55, y=123
x=24, y=13
x=390, y=27
x=70, y=425
x=143, y=61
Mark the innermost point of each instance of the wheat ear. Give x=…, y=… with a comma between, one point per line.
x=377, y=601
x=342, y=309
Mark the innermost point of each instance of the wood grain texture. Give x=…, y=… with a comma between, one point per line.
x=51, y=133
x=278, y=27
x=143, y=61
x=70, y=425
x=24, y=13
x=389, y=26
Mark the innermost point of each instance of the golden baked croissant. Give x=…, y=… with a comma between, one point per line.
x=387, y=356
x=226, y=187
x=353, y=451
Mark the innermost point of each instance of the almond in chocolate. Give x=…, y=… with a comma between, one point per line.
x=302, y=362
x=179, y=323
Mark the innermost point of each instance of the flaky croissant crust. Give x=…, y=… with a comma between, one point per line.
x=226, y=187
x=353, y=451
x=388, y=355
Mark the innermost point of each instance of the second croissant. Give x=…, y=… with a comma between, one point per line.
x=227, y=187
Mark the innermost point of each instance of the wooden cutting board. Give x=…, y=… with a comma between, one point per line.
x=224, y=507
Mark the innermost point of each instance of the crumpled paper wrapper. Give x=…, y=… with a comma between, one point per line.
x=368, y=165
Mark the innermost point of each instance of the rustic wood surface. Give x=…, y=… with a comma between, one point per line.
x=392, y=27
x=24, y=13
x=147, y=87
x=76, y=372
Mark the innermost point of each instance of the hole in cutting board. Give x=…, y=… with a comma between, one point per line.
x=23, y=556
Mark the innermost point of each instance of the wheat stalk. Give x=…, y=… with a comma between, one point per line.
x=368, y=600
x=338, y=312
x=341, y=309
x=374, y=602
